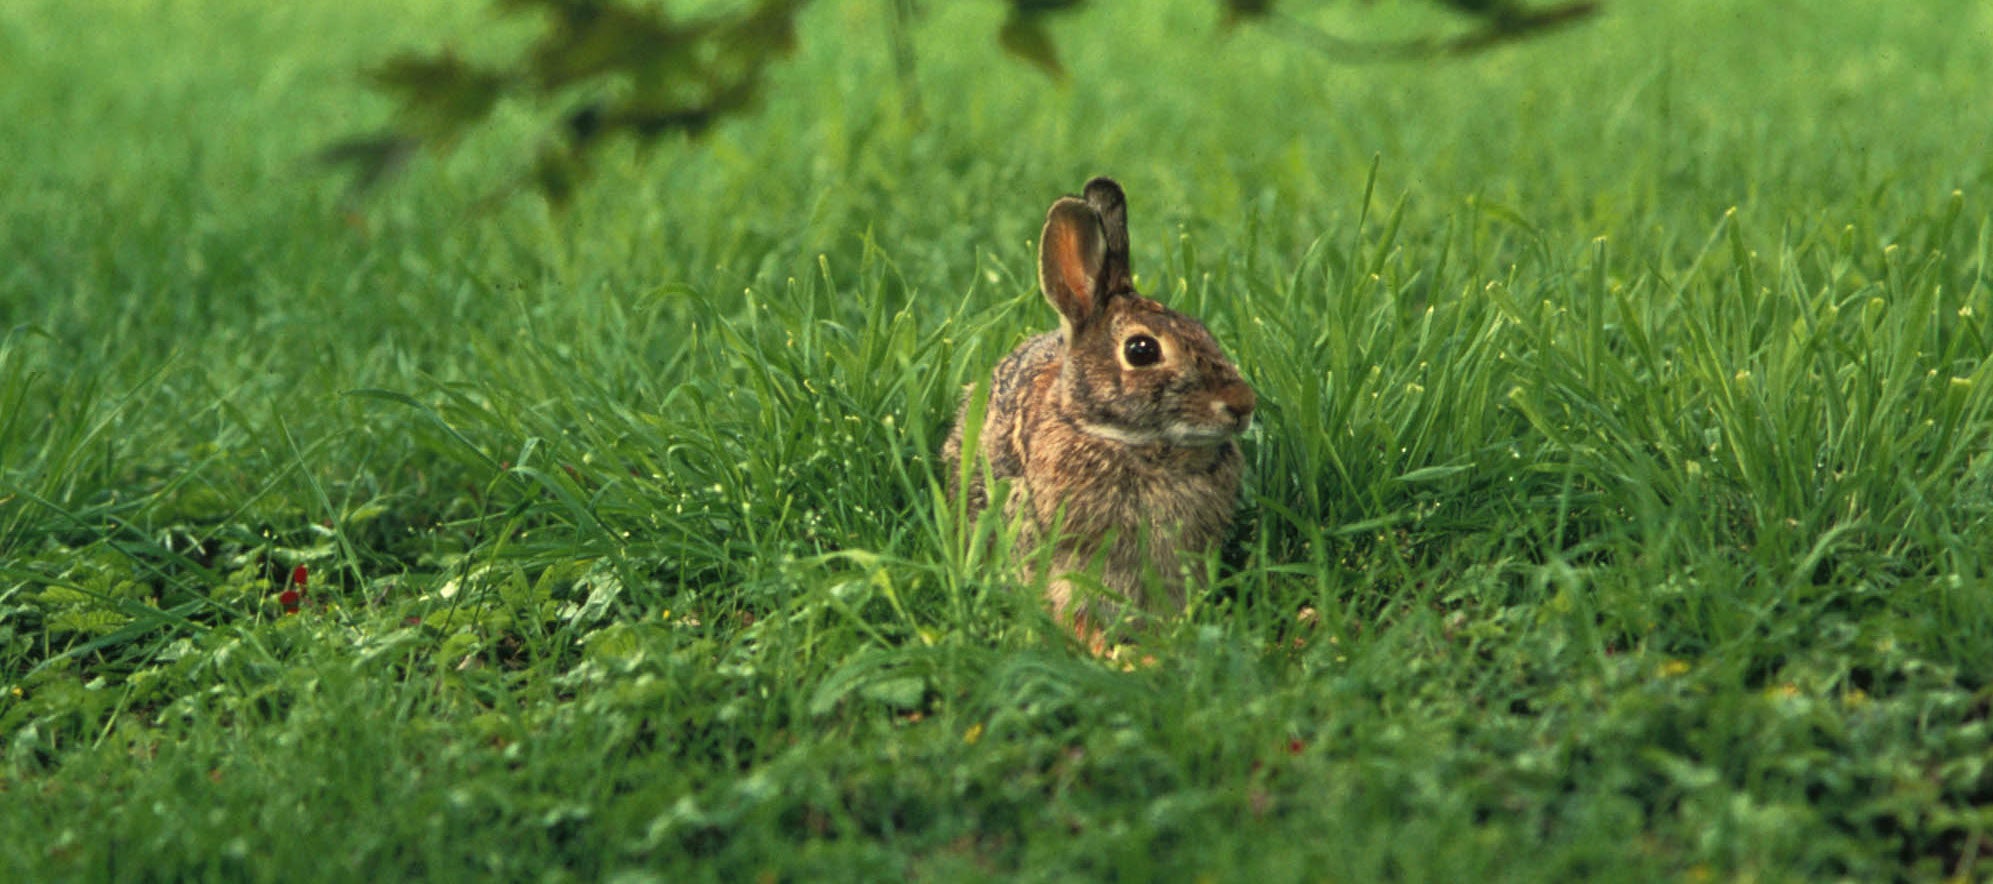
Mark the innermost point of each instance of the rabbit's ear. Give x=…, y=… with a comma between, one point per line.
x=1106, y=198
x=1071, y=255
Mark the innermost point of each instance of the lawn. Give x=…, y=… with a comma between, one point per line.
x=1617, y=508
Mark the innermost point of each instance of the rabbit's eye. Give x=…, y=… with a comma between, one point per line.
x=1141, y=351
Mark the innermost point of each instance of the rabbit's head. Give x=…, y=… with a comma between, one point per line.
x=1134, y=371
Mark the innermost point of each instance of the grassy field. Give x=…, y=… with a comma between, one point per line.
x=1625, y=421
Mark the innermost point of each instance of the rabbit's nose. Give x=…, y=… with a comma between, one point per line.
x=1237, y=402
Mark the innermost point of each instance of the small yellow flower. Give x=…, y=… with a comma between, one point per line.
x=1672, y=668
x=974, y=733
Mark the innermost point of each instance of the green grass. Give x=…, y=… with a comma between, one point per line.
x=1625, y=423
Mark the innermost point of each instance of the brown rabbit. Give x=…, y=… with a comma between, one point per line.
x=1120, y=425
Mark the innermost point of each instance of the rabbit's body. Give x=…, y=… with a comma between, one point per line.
x=1120, y=425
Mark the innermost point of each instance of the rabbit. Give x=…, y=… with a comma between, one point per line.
x=1120, y=427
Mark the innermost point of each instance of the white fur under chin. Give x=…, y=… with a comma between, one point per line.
x=1185, y=435
x=1195, y=436
x=1117, y=434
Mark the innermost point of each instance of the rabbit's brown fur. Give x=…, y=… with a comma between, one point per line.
x=1133, y=462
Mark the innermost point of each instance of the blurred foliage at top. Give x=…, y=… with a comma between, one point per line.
x=636, y=69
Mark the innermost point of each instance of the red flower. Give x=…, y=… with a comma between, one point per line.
x=294, y=596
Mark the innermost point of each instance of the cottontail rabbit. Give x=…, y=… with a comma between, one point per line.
x=1119, y=426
